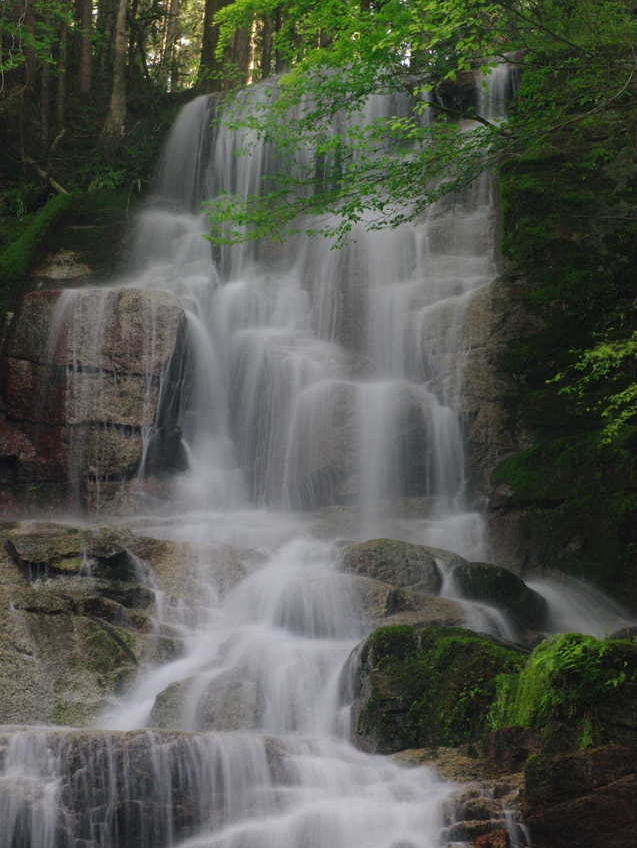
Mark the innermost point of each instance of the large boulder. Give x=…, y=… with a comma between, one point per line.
x=402, y=564
x=426, y=687
x=122, y=330
x=90, y=384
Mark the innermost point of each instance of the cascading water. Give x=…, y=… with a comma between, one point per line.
x=319, y=403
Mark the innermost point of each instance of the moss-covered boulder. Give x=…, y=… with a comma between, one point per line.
x=392, y=561
x=426, y=687
x=492, y=584
x=578, y=690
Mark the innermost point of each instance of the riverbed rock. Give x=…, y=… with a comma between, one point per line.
x=380, y=604
x=426, y=686
x=402, y=564
x=228, y=701
x=493, y=584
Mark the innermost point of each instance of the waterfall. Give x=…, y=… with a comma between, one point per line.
x=319, y=378
x=318, y=400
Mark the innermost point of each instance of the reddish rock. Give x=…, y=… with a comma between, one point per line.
x=34, y=392
x=494, y=839
x=15, y=444
x=583, y=800
x=82, y=384
x=128, y=330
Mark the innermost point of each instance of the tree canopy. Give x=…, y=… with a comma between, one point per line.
x=338, y=53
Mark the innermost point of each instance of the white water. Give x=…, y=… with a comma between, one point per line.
x=319, y=380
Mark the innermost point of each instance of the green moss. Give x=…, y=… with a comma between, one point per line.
x=111, y=653
x=429, y=687
x=579, y=690
x=18, y=258
x=569, y=234
x=71, y=713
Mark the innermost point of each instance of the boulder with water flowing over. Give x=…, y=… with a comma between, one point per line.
x=135, y=788
x=229, y=701
x=492, y=584
x=400, y=563
x=90, y=381
x=352, y=441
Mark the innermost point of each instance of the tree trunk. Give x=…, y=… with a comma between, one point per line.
x=105, y=28
x=60, y=105
x=85, y=70
x=168, y=49
x=116, y=117
x=30, y=66
x=210, y=69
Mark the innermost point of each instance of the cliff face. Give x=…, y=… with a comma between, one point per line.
x=83, y=376
x=548, y=386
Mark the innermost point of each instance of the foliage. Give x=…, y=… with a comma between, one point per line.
x=19, y=39
x=599, y=385
x=573, y=681
x=390, y=169
x=570, y=222
x=18, y=257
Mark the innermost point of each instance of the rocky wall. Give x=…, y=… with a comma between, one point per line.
x=90, y=383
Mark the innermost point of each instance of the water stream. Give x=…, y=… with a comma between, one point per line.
x=320, y=404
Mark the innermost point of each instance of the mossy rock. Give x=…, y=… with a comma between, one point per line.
x=492, y=584
x=577, y=690
x=427, y=687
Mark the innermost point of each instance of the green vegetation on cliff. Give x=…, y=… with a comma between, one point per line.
x=16, y=260
x=570, y=223
x=578, y=690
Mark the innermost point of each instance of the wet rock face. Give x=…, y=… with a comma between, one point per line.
x=78, y=616
x=139, y=788
x=586, y=798
x=89, y=381
x=75, y=621
x=495, y=585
